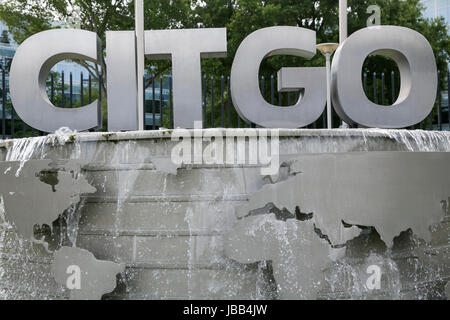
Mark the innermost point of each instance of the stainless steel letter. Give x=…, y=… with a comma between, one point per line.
x=418, y=73
x=245, y=91
x=312, y=99
x=30, y=68
x=185, y=47
x=122, y=82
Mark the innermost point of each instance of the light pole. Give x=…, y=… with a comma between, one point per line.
x=139, y=25
x=342, y=20
x=327, y=49
x=343, y=32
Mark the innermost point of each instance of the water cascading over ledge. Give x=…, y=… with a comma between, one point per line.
x=227, y=232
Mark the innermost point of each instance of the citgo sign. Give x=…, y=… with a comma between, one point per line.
x=409, y=49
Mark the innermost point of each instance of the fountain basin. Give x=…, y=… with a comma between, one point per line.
x=169, y=229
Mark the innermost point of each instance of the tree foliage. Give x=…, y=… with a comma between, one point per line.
x=241, y=17
x=245, y=16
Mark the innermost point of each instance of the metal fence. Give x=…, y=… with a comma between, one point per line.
x=218, y=110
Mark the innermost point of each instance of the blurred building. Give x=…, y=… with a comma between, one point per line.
x=437, y=8
x=7, y=46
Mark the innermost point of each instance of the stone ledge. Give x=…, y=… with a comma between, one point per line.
x=283, y=133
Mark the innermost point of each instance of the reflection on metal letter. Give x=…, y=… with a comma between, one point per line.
x=122, y=82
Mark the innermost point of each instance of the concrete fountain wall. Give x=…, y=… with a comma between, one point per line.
x=169, y=230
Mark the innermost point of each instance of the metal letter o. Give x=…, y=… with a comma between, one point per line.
x=416, y=62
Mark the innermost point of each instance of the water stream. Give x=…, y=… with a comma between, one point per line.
x=169, y=230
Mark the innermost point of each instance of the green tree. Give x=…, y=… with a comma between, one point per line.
x=245, y=16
